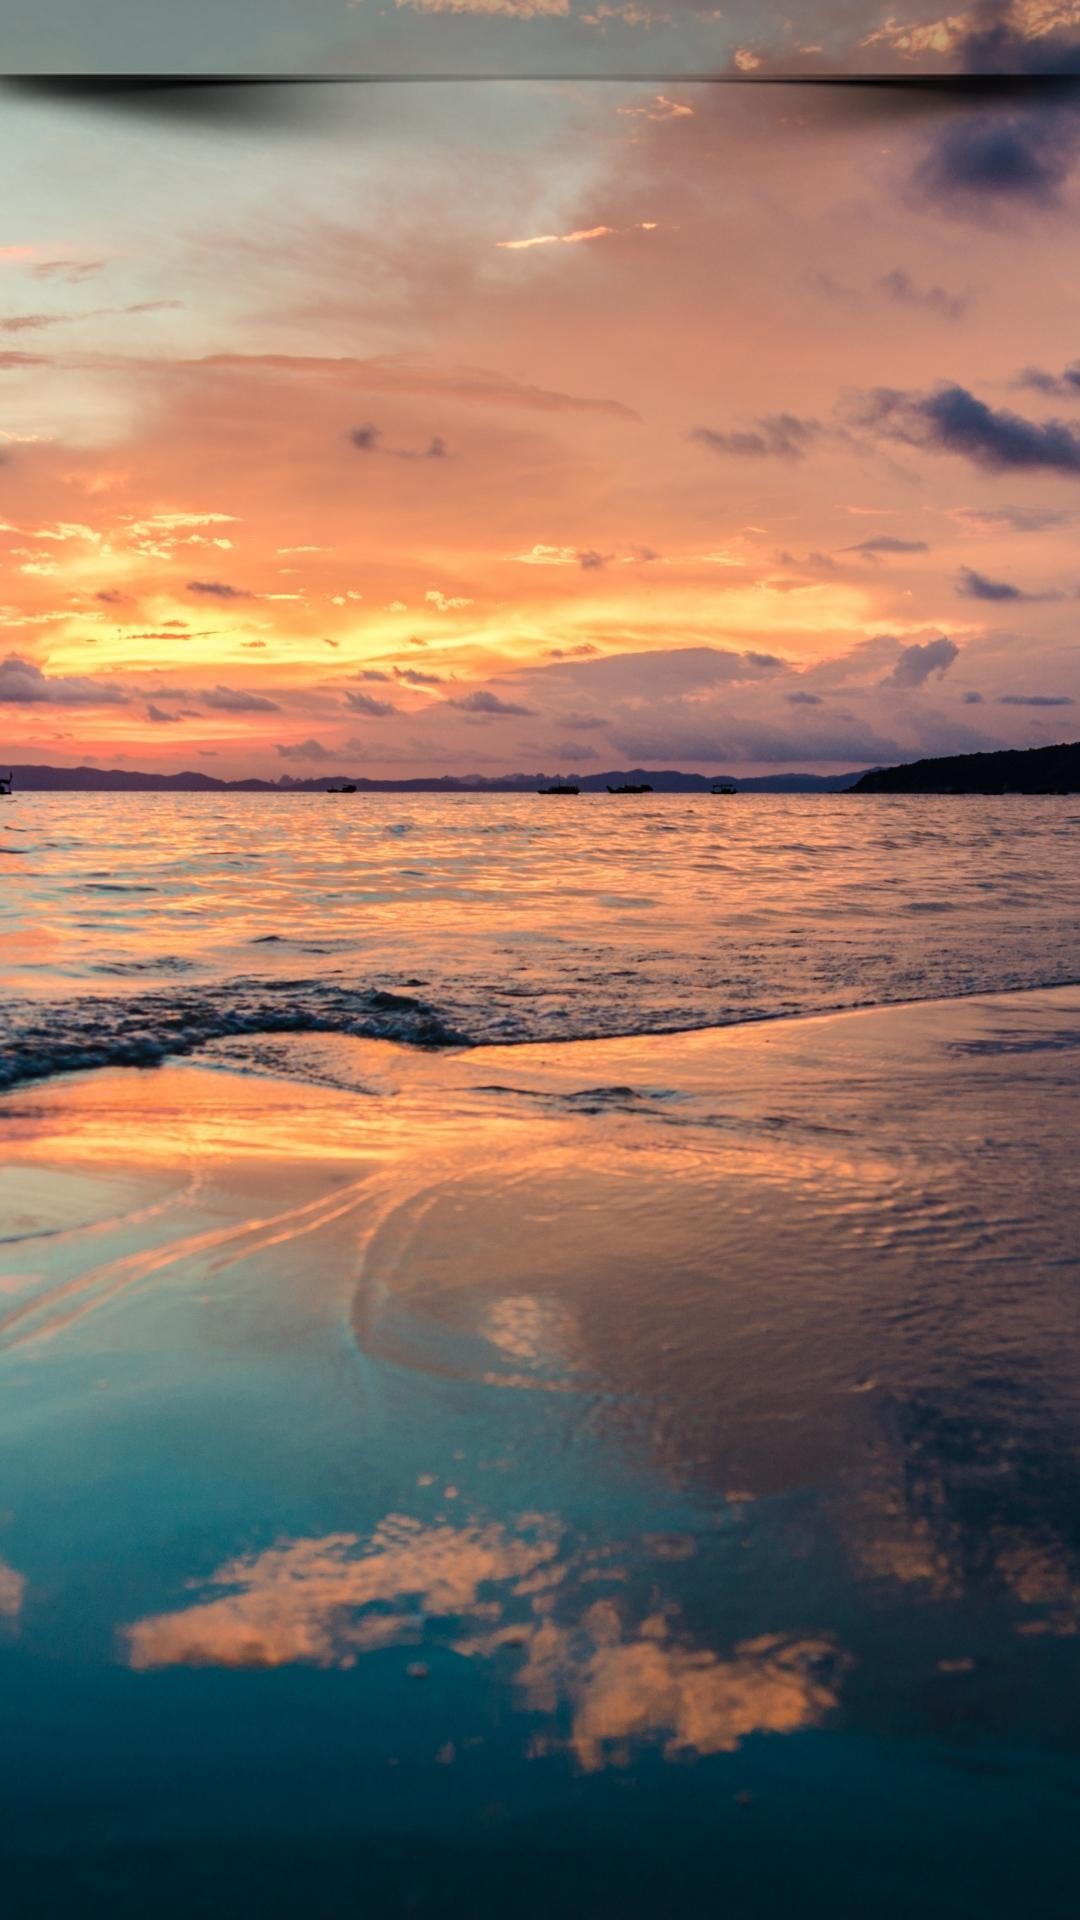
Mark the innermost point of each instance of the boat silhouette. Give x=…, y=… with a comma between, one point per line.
x=348, y=788
x=5, y=785
x=628, y=789
x=723, y=786
x=559, y=788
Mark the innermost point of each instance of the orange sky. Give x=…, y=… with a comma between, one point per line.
x=310, y=465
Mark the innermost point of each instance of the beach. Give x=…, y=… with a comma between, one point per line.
x=412, y=1460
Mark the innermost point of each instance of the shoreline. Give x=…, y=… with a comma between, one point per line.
x=505, y=1426
x=144, y=1054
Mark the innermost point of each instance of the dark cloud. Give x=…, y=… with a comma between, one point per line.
x=804, y=699
x=368, y=439
x=952, y=420
x=972, y=699
x=1020, y=519
x=372, y=673
x=1063, y=386
x=978, y=586
x=569, y=751
x=590, y=560
x=159, y=718
x=366, y=703
x=23, y=684
x=582, y=722
x=777, y=435
x=887, y=543
x=232, y=700
x=488, y=703
x=900, y=286
x=988, y=160
x=218, y=590
x=413, y=675
x=582, y=652
x=303, y=750
x=1035, y=700
x=112, y=597
x=11, y=360
x=917, y=662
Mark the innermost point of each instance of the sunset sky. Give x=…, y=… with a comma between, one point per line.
x=539, y=425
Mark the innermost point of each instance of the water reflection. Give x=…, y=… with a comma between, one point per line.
x=604, y=1677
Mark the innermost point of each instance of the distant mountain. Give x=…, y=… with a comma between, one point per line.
x=38, y=779
x=1026, y=770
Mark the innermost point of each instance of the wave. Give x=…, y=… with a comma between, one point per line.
x=38, y=1040
x=41, y=1039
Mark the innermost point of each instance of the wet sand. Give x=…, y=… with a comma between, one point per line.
x=482, y=1481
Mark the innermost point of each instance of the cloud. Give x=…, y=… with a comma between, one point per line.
x=414, y=677
x=972, y=699
x=917, y=662
x=372, y=673
x=1019, y=519
x=804, y=699
x=574, y=750
x=23, y=684
x=582, y=652
x=71, y=270
x=416, y=374
x=159, y=718
x=446, y=603
x=303, y=750
x=1035, y=700
x=511, y=9
x=994, y=159
x=488, y=703
x=952, y=420
x=777, y=435
x=900, y=286
x=218, y=590
x=11, y=360
x=885, y=543
x=573, y=239
x=591, y=561
x=1063, y=386
x=232, y=700
x=366, y=440
x=979, y=586
x=365, y=703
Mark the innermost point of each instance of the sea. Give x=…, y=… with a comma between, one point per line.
x=134, y=928
x=539, y=1357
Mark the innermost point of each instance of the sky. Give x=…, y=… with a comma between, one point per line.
x=542, y=425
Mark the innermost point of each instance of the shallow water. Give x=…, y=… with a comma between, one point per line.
x=618, y=1478
x=135, y=927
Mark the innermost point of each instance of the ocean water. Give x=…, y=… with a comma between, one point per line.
x=137, y=927
x=605, y=1477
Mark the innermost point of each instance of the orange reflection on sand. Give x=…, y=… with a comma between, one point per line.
x=298, y=1602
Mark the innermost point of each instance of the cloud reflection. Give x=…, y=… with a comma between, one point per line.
x=307, y=1600
x=603, y=1679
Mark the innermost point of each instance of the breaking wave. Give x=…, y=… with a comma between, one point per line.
x=39, y=1039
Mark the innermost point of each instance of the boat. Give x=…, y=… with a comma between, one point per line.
x=645, y=789
x=560, y=788
x=723, y=786
x=5, y=785
x=345, y=789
